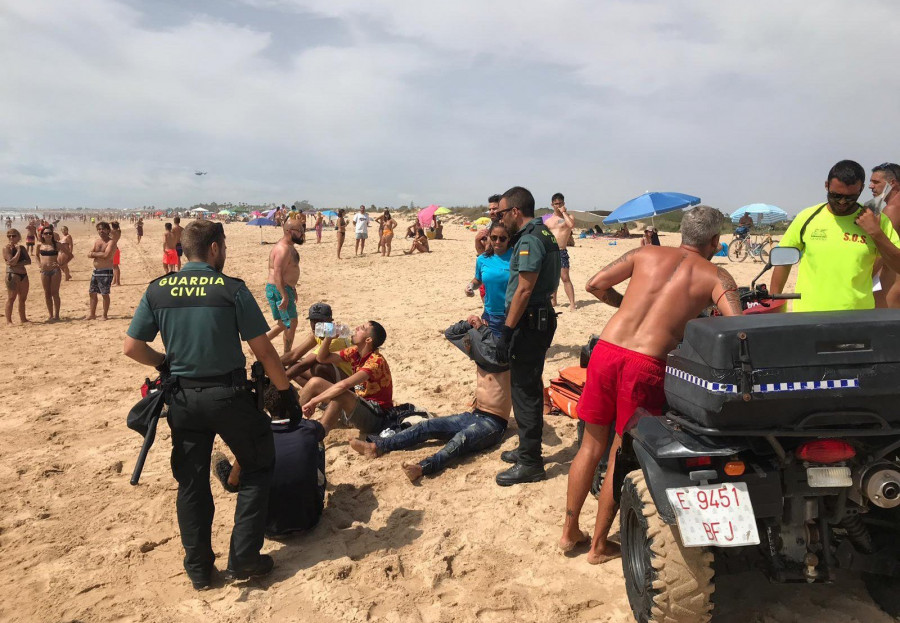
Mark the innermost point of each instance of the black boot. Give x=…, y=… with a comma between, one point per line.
x=520, y=473
x=510, y=456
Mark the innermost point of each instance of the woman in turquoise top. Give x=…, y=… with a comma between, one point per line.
x=492, y=270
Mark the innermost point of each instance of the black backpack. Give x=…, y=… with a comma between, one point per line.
x=297, y=495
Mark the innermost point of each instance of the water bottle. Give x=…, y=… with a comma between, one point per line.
x=331, y=329
x=613, y=243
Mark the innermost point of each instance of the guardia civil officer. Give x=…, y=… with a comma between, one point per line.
x=530, y=325
x=202, y=316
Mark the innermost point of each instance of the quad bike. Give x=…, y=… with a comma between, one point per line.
x=779, y=449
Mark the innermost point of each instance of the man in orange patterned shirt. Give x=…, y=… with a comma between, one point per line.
x=365, y=408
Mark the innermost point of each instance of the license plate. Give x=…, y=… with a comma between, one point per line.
x=719, y=515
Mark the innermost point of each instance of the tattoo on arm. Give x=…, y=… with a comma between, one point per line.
x=730, y=293
x=612, y=298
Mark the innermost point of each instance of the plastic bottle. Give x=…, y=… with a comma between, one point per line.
x=332, y=329
x=613, y=243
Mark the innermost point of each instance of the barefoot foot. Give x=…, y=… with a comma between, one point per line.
x=610, y=552
x=368, y=450
x=413, y=471
x=567, y=543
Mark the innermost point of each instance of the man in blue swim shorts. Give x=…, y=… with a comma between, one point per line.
x=281, y=289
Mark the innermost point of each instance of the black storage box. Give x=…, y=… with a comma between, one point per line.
x=785, y=370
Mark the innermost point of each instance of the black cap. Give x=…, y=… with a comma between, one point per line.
x=320, y=311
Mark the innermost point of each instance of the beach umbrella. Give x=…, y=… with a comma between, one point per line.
x=425, y=214
x=225, y=212
x=482, y=221
x=762, y=213
x=199, y=210
x=271, y=213
x=442, y=211
x=330, y=214
x=259, y=222
x=649, y=205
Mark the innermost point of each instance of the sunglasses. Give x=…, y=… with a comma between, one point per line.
x=500, y=213
x=499, y=238
x=839, y=198
x=12, y=236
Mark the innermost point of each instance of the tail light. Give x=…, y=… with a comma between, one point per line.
x=698, y=461
x=826, y=451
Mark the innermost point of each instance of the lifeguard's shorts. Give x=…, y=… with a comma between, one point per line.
x=619, y=381
x=170, y=257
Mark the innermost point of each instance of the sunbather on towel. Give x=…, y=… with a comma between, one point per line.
x=479, y=428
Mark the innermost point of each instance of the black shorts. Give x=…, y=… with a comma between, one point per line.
x=101, y=280
x=367, y=416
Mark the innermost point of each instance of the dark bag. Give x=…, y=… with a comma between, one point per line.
x=586, y=351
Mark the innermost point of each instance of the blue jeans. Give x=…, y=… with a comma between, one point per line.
x=495, y=323
x=468, y=433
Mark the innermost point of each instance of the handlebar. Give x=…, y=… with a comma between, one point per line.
x=795, y=295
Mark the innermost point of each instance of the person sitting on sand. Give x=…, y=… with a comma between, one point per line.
x=297, y=490
x=623, y=232
x=367, y=407
x=438, y=229
x=420, y=243
x=479, y=428
x=412, y=230
x=301, y=361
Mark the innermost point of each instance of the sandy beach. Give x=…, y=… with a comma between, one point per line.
x=80, y=544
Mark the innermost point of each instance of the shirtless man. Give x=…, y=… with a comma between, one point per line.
x=284, y=273
x=66, y=252
x=176, y=231
x=30, y=236
x=562, y=224
x=885, y=186
x=170, y=255
x=668, y=287
x=481, y=238
x=102, y=252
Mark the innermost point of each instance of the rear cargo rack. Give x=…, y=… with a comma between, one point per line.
x=867, y=424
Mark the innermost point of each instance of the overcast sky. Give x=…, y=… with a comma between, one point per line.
x=109, y=103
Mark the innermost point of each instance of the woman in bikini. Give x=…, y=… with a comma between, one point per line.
x=342, y=231
x=420, y=244
x=320, y=222
x=30, y=236
x=66, y=252
x=387, y=234
x=51, y=275
x=16, y=258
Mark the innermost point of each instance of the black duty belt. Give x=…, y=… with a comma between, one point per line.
x=235, y=378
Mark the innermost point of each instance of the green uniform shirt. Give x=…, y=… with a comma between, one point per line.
x=534, y=251
x=835, y=270
x=202, y=315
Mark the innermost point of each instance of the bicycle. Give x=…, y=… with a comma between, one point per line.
x=747, y=245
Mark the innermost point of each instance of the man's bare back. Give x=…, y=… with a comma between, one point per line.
x=169, y=240
x=176, y=233
x=668, y=287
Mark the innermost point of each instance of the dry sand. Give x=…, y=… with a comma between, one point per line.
x=80, y=544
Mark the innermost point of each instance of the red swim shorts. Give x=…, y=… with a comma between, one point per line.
x=170, y=257
x=619, y=381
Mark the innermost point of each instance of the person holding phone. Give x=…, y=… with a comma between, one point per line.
x=840, y=241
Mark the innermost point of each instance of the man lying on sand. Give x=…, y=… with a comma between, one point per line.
x=366, y=408
x=668, y=287
x=472, y=431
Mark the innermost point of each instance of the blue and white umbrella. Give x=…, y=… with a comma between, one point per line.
x=762, y=213
x=649, y=205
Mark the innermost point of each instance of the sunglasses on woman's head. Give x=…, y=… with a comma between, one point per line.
x=499, y=238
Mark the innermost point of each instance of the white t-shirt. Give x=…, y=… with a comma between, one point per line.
x=362, y=222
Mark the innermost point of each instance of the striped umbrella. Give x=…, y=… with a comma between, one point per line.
x=762, y=213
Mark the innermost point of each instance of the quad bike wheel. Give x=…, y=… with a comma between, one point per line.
x=665, y=582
